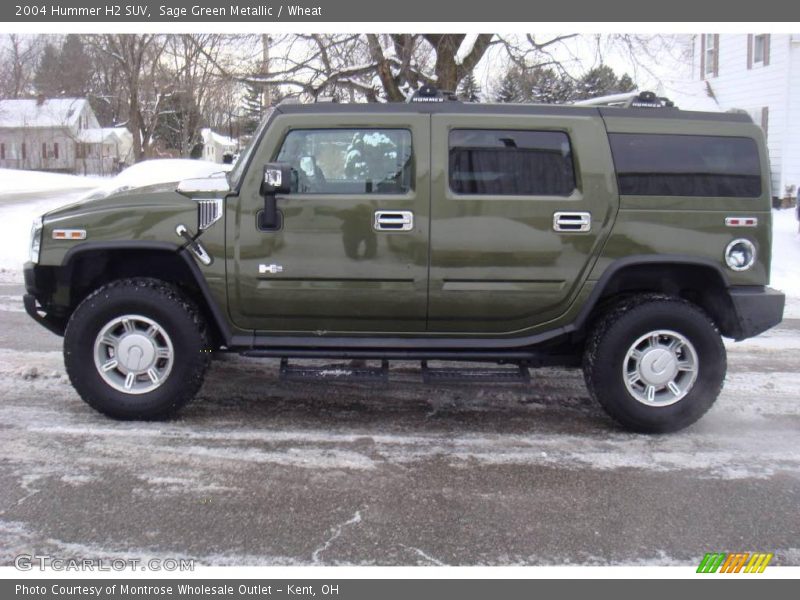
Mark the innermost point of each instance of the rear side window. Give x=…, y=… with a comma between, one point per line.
x=504, y=162
x=686, y=165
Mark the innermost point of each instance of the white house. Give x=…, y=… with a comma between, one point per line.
x=759, y=73
x=60, y=134
x=216, y=146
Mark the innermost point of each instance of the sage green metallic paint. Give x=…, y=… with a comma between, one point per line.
x=691, y=226
x=497, y=265
x=146, y=214
x=472, y=266
x=325, y=286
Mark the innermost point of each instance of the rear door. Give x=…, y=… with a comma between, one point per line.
x=351, y=255
x=520, y=208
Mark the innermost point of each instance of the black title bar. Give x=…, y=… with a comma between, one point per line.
x=532, y=11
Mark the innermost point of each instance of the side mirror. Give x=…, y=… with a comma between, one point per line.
x=277, y=179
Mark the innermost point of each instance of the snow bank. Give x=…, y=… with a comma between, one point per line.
x=161, y=170
x=13, y=181
x=786, y=253
x=15, y=229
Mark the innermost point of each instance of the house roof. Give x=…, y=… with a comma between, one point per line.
x=104, y=134
x=30, y=112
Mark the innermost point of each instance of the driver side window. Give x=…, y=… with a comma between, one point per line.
x=349, y=161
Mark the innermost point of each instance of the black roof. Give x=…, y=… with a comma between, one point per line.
x=507, y=109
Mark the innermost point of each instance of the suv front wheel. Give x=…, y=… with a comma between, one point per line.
x=136, y=349
x=655, y=363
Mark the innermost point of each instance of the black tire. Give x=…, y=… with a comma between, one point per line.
x=616, y=331
x=178, y=317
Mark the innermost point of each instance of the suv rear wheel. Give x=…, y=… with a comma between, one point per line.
x=655, y=363
x=136, y=349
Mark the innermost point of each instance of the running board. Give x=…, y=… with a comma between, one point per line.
x=514, y=374
x=335, y=373
x=517, y=374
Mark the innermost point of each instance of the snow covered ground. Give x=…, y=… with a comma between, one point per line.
x=785, y=275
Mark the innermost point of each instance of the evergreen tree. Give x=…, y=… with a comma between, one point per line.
x=546, y=86
x=252, y=107
x=625, y=84
x=468, y=89
x=75, y=68
x=602, y=81
x=508, y=90
x=48, y=74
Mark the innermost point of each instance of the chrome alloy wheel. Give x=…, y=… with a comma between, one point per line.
x=133, y=354
x=660, y=368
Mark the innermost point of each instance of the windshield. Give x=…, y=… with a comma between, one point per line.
x=238, y=169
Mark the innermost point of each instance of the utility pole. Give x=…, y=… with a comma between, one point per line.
x=266, y=93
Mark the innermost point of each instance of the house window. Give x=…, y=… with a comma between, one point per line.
x=24, y=151
x=2, y=151
x=55, y=150
x=757, y=50
x=709, y=55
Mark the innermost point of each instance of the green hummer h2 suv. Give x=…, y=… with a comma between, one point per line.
x=625, y=239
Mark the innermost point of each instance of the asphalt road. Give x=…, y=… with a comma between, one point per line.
x=257, y=471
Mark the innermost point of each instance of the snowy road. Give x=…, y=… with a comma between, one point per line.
x=257, y=471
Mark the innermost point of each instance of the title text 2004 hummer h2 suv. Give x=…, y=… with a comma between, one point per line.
x=630, y=239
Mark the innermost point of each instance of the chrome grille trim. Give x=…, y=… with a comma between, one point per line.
x=208, y=212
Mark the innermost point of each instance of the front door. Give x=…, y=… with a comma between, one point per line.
x=351, y=252
x=521, y=206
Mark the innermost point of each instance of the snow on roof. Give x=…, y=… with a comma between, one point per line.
x=212, y=136
x=31, y=112
x=104, y=134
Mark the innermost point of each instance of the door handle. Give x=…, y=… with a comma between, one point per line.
x=393, y=220
x=572, y=222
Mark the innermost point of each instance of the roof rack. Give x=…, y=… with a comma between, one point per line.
x=430, y=93
x=630, y=100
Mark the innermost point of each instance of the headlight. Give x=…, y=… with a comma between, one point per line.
x=36, y=239
x=740, y=254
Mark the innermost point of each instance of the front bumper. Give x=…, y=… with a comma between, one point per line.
x=757, y=309
x=34, y=290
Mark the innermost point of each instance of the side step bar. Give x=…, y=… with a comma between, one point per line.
x=335, y=372
x=437, y=375
x=518, y=374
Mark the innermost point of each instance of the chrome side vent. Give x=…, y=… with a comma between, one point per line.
x=208, y=212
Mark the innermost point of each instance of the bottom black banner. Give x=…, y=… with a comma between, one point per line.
x=385, y=589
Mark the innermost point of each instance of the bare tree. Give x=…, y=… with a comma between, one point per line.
x=333, y=64
x=190, y=59
x=18, y=61
x=138, y=59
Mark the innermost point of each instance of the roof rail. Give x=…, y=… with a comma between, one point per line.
x=629, y=100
